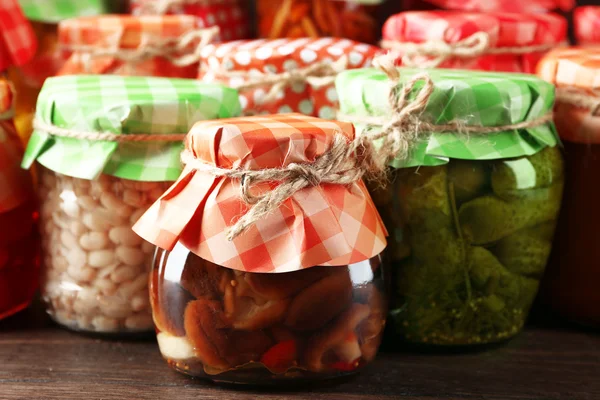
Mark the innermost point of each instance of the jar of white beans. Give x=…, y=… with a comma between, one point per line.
x=95, y=268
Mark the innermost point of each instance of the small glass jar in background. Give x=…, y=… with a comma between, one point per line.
x=19, y=241
x=570, y=286
x=351, y=19
x=282, y=302
x=94, y=187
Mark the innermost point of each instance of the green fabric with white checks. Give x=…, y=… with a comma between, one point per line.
x=469, y=97
x=122, y=105
x=54, y=11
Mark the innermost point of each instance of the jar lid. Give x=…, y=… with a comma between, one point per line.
x=239, y=62
x=321, y=224
x=586, y=21
x=503, y=29
x=58, y=10
x=577, y=67
x=533, y=6
x=517, y=108
x=15, y=183
x=17, y=40
x=128, y=127
x=122, y=31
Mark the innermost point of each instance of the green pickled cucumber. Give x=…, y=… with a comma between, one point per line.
x=469, y=179
x=423, y=188
x=526, y=251
x=513, y=179
x=487, y=219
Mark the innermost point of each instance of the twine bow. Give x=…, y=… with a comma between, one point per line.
x=177, y=50
x=438, y=51
x=347, y=162
x=318, y=74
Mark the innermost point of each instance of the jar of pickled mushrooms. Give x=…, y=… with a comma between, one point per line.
x=298, y=293
x=472, y=206
x=107, y=147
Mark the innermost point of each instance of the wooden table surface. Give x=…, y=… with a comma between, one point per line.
x=38, y=360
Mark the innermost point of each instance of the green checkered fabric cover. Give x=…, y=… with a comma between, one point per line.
x=122, y=105
x=54, y=11
x=471, y=97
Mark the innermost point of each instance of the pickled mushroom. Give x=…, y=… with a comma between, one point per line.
x=280, y=286
x=487, y=219
x=203, y=279
x=321, y=302
x=172, y=297
x=512, y=179
x=323, y=343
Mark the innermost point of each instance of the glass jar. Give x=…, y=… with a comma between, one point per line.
x=19, y=242
x=352, y=19
x=507, y=42
x=585, y=24
x=95, y=268
x=299, y=294
x=470, y=215
x=570, y=285
x=475, y=239
x=245, y=327
x=534, y=6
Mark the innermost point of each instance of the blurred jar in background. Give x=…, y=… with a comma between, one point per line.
x=29, y=78
x=19, y=261
x=231, y=16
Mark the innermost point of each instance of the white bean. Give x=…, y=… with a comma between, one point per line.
x=88, y=203
x=130, y=255
x=127, y=289
x=71, y=208
x=94, y=221
x=139, y=322
x=124, y=235
x=77, y=228
x=101, y=258
x=137, y=214
x=81, y=274
x=123, y=273
x=104, y=324
x=67, y=239
x=140, y=302
x=148, y=248
x=76, y=257
x=133, y=198
x=94, y=241
x=86, y=302
x=106, y=286
x=115, y=307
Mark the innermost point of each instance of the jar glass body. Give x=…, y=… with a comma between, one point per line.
x=95, y=268
x=352, y=19
x=470, y=242
x=570, y=286
x=256, y=328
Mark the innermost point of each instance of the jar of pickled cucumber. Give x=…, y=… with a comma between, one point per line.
x=19, y=242
x=570, y=285
x=29, y=78
x=472, y=208
x=107, y=148
x=299, y=295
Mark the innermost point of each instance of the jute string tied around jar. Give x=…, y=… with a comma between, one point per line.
x=161, y=7
x=317, y=75
x=478, y=44
x=346, y=162
x=579, y=98
x=72, y=133
x=181, y=51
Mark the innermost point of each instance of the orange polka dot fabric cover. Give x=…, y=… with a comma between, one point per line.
x=123, y=32
x=574, y=69
x=240, y=61
x=319, y=225
x=15, y=183
x=504, y=30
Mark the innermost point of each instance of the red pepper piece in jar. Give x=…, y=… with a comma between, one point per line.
x=281, y=356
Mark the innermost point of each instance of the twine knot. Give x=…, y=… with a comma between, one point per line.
x=438, y=51
x=181, y=51
x=317, y=75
